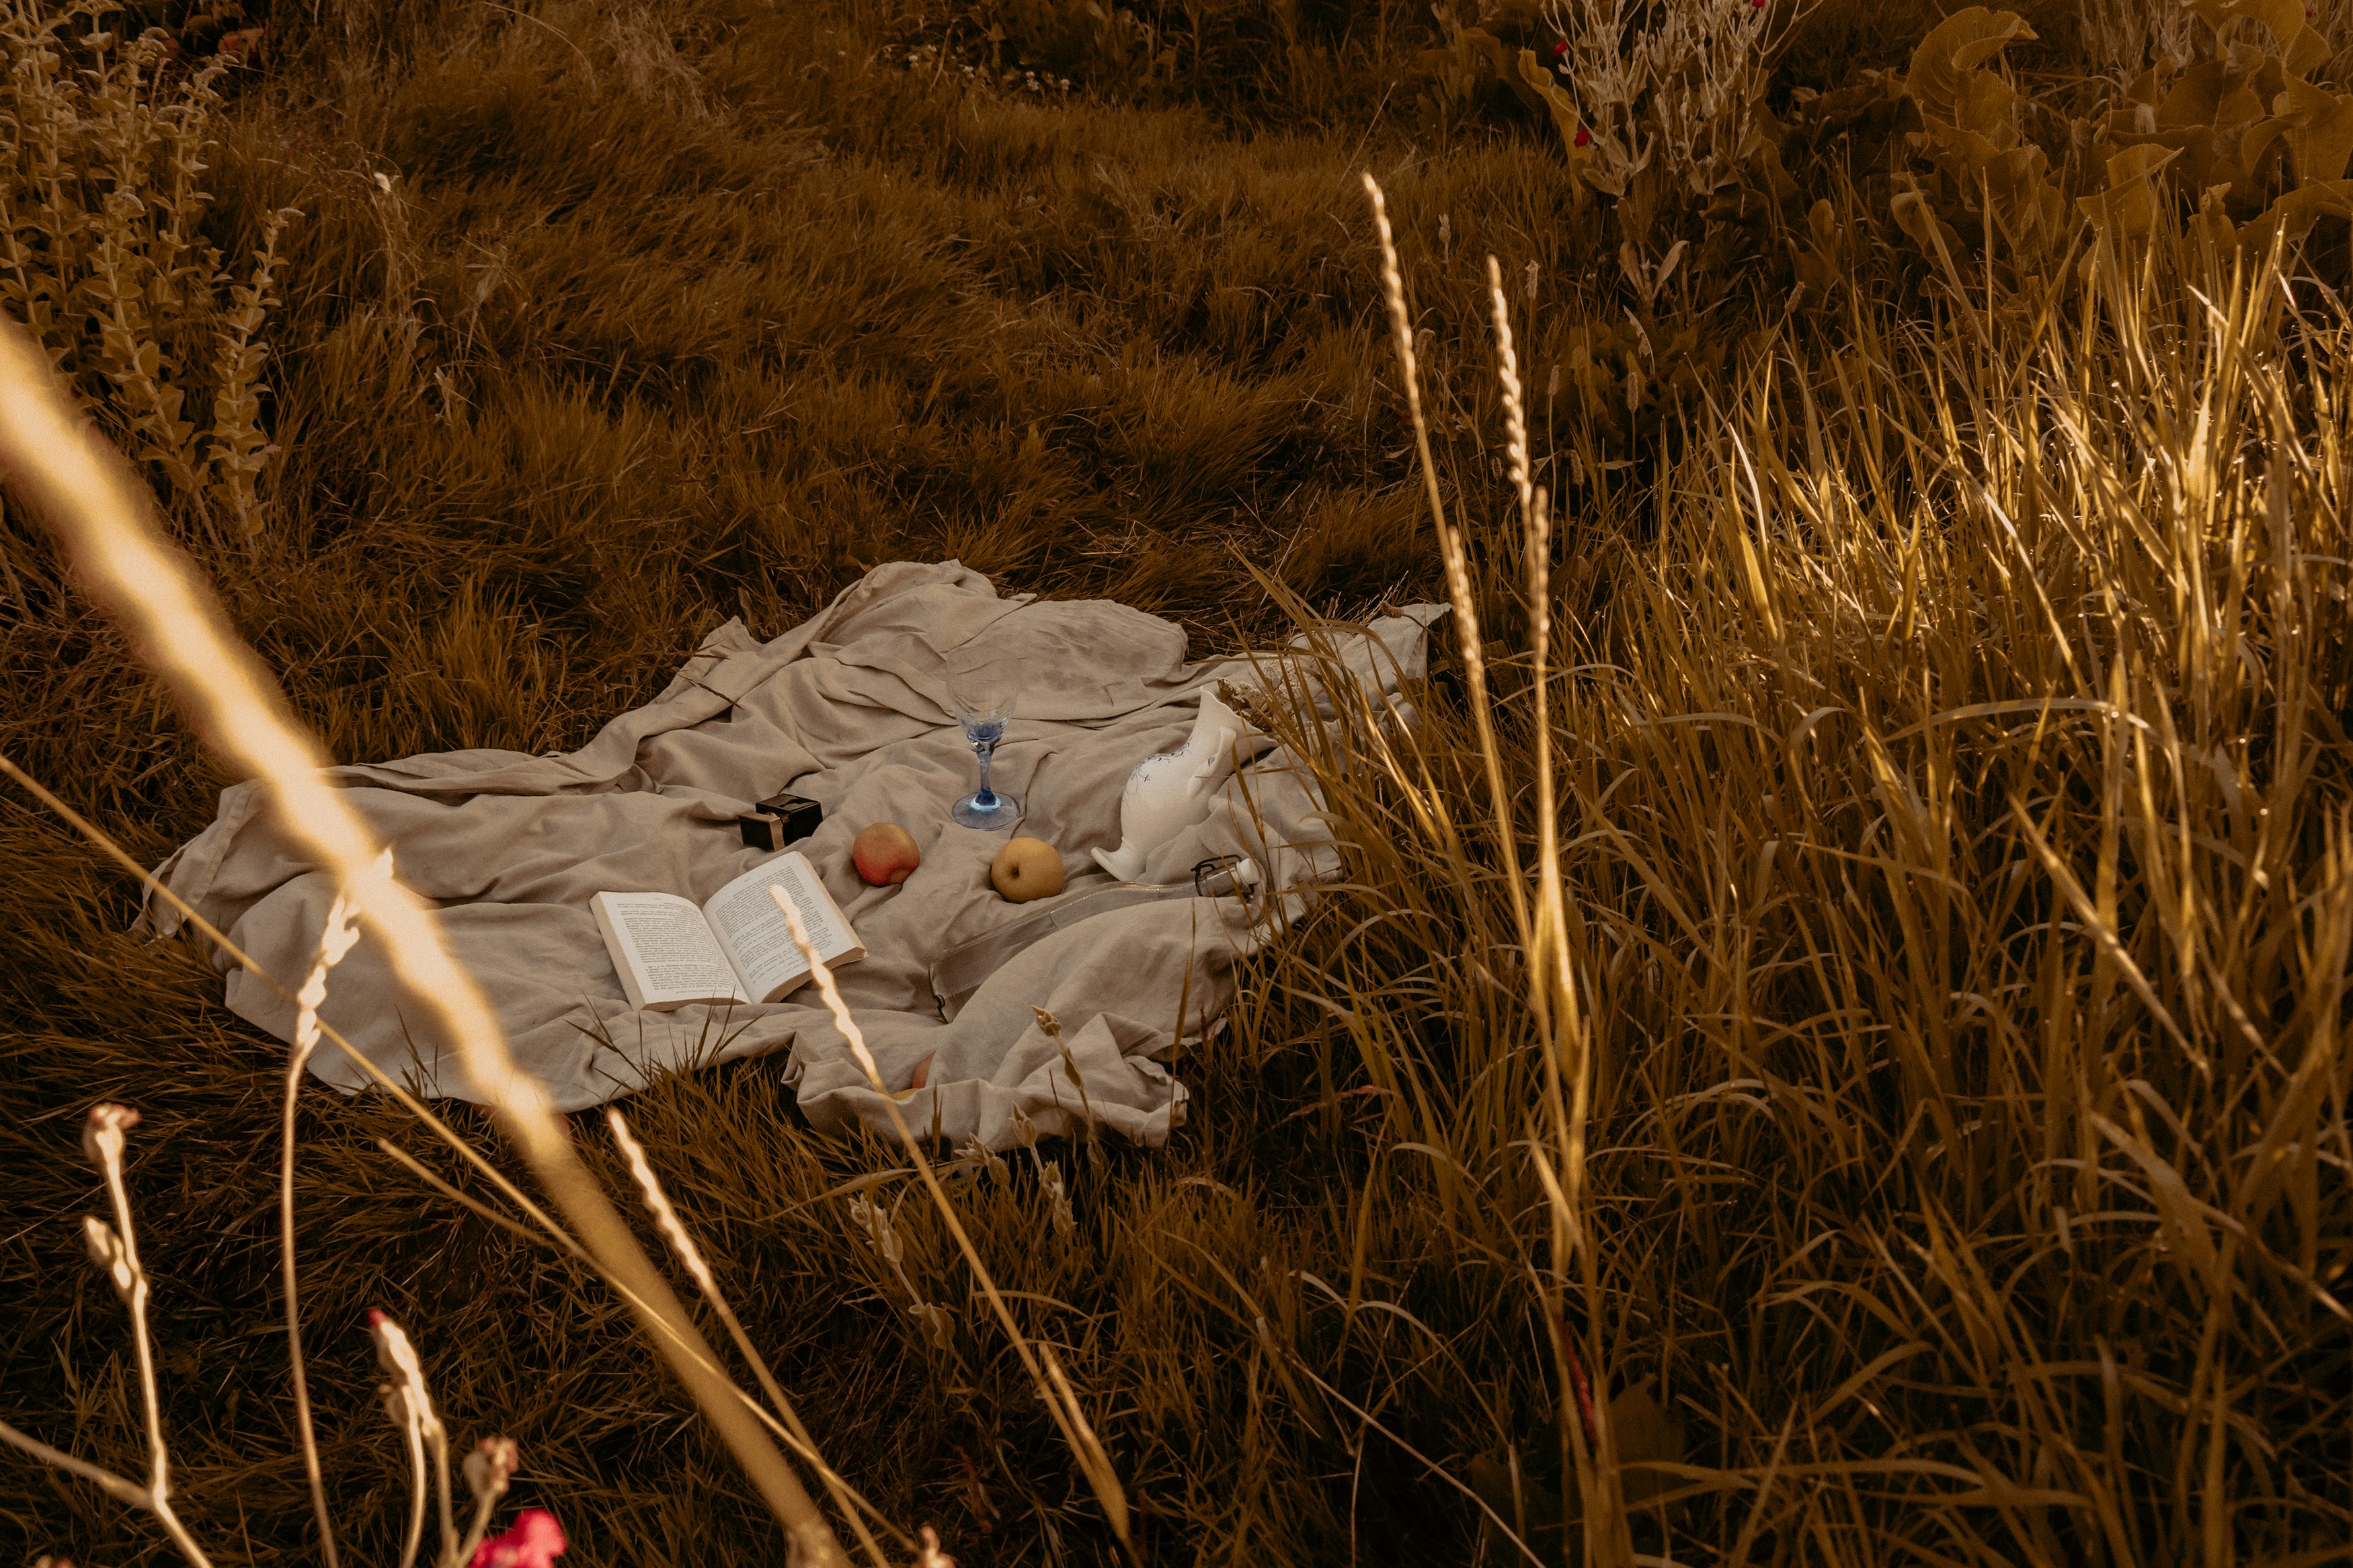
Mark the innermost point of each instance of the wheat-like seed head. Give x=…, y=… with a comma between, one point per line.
x=829, y=991
x=1393, y=292
x=1036, y=1360
x=1452, y=553
x=336, y=939
x=1507, y=372
x=657, y=1201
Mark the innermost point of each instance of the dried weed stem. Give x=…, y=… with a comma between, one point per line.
x=1045, y=1372
x=82, y=490
x=1452, y=553
x=854, y=1507
x=115, y=1249
x=335, y=939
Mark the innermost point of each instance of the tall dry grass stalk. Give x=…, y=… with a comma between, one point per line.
x=854, y=1508
x=1944, y=889
x=1038, y=1359
x=1540, y=954
x=99, y=514
x=487, y=1471
x=115, y=1249
x=1553, y=985
x=543, y=1227
x=1450, y=547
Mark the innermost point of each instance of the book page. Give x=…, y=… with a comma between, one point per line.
x=664, y=951
x=750, y=927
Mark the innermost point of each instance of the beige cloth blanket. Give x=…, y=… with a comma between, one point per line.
x=848, y=710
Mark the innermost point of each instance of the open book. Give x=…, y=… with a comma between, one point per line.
x=734, y=948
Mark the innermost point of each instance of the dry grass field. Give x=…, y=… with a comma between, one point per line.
x=1831, y=1049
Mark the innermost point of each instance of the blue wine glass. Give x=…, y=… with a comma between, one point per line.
x=981, y=694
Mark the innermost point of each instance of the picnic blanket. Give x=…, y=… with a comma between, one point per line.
x=848, y=710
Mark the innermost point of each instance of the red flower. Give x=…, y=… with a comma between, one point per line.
x=535, y=1541
x=1584, y=137
x=1560, y=45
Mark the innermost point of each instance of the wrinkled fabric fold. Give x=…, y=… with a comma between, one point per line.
x=849, y=709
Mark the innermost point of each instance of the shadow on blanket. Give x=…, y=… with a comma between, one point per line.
x=848, y=710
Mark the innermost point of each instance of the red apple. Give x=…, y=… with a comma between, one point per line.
x=884, y=853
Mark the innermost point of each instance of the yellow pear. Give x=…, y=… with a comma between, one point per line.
x=1026, y=869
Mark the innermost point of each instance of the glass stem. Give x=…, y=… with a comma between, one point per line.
x=984, y=749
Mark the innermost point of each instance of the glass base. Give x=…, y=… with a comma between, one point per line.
x=999, y=810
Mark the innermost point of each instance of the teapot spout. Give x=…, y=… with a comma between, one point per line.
x=1126, y=863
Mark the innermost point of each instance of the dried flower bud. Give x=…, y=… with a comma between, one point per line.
x=102, y=1131
x=936, y=1323
x=1065, y=1222
x=393, y=1350
x=1025, y=1131
x=490, y=1467
x=106, y=1251
x=877, y=1225
x=930, y=1556
x=98, y=1236
x=405, y=1396
x=981, y=1157
x=1048, y=1025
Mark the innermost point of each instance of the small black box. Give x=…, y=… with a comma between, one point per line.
x=784, y=820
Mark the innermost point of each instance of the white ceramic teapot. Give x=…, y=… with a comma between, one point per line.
x=1164, y=793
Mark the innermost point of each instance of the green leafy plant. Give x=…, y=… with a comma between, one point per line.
x=1973, y=136
x=1476, y=65
x=2242, y=144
